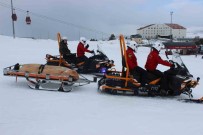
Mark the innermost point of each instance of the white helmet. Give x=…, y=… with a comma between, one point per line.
x=83, y=40
x=133, y=46
x=64, y=38
x=158, y=45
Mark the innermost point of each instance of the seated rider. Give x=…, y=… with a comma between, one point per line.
x=63, y=49
x=81, y=49
x=153, y=60
x=133, y=65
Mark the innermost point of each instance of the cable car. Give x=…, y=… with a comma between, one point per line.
x=27, y=19
x=14, y=16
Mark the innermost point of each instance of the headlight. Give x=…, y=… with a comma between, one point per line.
x=103, y=70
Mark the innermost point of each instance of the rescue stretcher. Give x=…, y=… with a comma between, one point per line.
x=47, y=77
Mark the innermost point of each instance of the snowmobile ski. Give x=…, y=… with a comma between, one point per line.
x=200, y=100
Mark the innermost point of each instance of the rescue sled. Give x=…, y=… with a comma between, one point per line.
x=47, y=77
x=121, y=82
x=99, y=62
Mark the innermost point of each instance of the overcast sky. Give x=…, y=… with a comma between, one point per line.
x=97, y=18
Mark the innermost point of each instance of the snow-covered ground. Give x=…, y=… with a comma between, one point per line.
x=85, y=111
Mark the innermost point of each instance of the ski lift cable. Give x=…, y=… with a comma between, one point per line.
x=5, y=5
x=53, y=19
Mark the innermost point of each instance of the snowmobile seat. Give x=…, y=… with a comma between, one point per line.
x=80, y=64
x=151, y=77
x=55, y=60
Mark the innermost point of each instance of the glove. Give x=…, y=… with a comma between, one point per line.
x=172, y=66
x=87, y=46
x=92, y=51
x=171, y=61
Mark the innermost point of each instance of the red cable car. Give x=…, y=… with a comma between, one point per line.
x=14, y=16
x=27, y=19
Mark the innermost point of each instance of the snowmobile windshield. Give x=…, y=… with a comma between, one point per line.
x=177, y=59
x=100, y=50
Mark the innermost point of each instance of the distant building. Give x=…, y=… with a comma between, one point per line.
x=137, y=38
x=162, y=30
x=182, y=47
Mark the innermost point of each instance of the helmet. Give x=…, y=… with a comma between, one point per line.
x=64, y=38
x=83, y=40
x=158, y=45
x=133, y=46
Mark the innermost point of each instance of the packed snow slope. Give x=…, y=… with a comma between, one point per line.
x=85, y=111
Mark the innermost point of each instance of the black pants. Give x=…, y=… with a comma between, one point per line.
x=86, y=64
x=159, y=74
x=70, y=58
x=141, y=73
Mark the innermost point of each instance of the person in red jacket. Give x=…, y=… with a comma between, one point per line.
x=133, y=65
x=81, y=49
x=153, y=60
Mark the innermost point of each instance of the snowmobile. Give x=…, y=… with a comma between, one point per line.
x=47, y=77
x=98, y=63
x=121, y=82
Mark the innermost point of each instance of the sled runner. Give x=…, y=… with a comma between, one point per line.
x=121, y=82
x=99, y=63
x=47, y=77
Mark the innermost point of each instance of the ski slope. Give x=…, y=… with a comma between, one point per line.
x=85, y=111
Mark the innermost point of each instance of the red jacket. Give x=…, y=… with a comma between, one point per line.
x=131, y=59
x=81, y=50
x=154, y=59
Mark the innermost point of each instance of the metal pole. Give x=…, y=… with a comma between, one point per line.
x=171, y=25
x=12, y=19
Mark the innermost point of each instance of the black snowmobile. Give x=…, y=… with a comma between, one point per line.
x=115, y=82
x=99, y=63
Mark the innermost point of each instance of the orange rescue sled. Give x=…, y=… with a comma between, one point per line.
x=47, y=77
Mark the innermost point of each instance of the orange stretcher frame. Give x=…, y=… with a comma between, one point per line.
x=59, y=40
